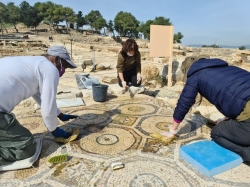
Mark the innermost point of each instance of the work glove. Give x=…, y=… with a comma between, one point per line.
x=60, y=133
x=125, y=87
x=174, y=132
x=124, y=84
x=67, y=117
x=138, y=78
x=165, y=137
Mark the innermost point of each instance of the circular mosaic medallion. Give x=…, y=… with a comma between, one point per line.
x=107, y=139
x=146, y=173
x=110, y=140
x=138, y=109
x=154, y=124
x=90, y=116
x=163, y=125
x=149, y=180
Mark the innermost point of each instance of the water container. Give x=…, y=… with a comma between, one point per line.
x=100, y=92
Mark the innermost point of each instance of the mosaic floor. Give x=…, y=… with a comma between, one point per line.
x=118, y=131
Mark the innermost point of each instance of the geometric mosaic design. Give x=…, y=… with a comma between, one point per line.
x=118, y=131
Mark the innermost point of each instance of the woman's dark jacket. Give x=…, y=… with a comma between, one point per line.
x=227, y=87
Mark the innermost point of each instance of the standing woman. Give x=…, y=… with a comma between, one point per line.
x=129, y=65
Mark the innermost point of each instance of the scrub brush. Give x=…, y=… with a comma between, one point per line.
x=58, y=158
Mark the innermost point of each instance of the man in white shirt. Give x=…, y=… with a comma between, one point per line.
x=22, y=77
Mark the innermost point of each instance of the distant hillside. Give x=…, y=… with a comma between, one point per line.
x=222, y=46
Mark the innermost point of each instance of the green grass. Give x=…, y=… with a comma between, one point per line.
x=7, y=25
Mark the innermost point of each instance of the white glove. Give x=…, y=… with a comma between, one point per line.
x=138, y=78
x=172, y=131
x=169, y=133
x=124, y=84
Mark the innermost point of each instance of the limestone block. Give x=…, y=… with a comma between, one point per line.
x=216, y=115
x=152, y=83
x=110, y=80
x=149, y=72
x=100, y=67
x=105, y=65
x=87, y=93
x=88, y=62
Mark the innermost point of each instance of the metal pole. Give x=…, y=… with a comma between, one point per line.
x=2, y=28
x=170, y=58
x=71, y=48
x=67, y=23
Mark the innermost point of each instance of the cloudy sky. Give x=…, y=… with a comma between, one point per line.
x=204, y=22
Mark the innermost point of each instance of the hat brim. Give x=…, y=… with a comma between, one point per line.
x=72, y=65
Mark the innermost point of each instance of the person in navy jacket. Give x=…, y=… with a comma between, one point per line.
x=226, y=87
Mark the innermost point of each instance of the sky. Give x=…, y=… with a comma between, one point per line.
x=202, y=22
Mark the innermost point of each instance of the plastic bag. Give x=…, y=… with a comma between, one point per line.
x=80, y=78
x=89, y=81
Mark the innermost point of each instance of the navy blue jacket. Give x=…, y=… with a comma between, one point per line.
x=227, y=87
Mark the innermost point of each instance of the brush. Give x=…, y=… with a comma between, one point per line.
x=58, y=158
x=73, y=136
x=165, y=140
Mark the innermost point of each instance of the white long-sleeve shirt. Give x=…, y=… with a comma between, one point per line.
x=30, y=76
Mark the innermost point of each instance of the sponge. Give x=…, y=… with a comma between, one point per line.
x=74, y=135
x=165, y=140
x=58, y=158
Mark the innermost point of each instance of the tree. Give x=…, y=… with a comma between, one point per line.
x=212, y=46
x=178, y=37
x=242, y=48
x=69, y=16
x=80, y=21
x=58, y=14
x=110, y=27
x=45, y=11
x=126, y=24
x=144, y=28
x=29, y=16
x=162, y=21
x=99, y=23
x=3, y=15
x=12, y=14
x=95, y=20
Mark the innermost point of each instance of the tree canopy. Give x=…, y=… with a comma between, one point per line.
x=80, y=20
x=144, y=28
x=95, y=20
x=29, y=15
x=124, y=23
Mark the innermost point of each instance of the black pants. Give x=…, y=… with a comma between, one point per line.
x=233, y=135
x=130, y=76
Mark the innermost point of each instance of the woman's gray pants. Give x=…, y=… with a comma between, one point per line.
x=233, y=135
